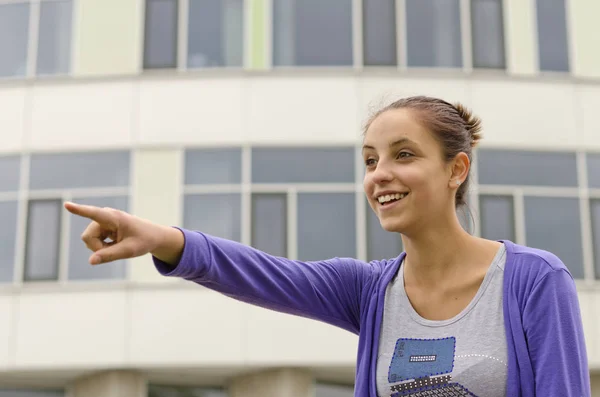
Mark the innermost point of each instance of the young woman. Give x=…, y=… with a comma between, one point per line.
x=453, y=315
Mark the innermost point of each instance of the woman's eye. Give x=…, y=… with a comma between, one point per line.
x=404, y=154
x=369, y=162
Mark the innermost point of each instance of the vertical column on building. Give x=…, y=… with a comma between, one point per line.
x=520, y=29
x=584, y=36
x=110, y=384
x=284, y=382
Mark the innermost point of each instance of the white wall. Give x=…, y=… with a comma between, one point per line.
x=208, y=110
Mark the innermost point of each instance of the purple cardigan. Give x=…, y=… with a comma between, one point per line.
x=546, y=347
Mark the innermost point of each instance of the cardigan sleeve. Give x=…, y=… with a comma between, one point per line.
x=329, y=290
x=554, y=331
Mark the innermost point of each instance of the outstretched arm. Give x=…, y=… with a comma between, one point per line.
x=554, y=332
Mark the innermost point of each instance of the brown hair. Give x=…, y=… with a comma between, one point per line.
x=455, y=127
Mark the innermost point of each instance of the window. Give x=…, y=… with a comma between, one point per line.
x=14, y=39
x=184, y=391
x=10, y=173
x=269, y=223
x=595, y=212
x=497, y=217
x=379, y=33
x=326, y=225
x=487, y=31
x=31, y=393
x=53, y=249
x=160, y=34
x=303, y=165
x=215, y=33
x=381, y=244
x=8, y=214
x=593, y=170
x=54, y=38
x=213, y=166
x=553, y=224
x=214, y=30
x=214, y=213
x=43, y=240
x=433, y=30
x=53, y=41
x=312, y=33
x=553, y=47
x=506, y=167
x=79, y=268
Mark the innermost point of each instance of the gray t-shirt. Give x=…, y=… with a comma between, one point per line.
x=463, y=356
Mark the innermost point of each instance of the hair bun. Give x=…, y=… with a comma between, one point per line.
x=472, y=123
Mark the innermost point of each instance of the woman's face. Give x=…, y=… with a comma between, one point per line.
x=407, y=182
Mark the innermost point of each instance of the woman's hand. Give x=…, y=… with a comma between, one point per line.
x=114, y=235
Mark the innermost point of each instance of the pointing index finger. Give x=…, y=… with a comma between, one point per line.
x=97, y=214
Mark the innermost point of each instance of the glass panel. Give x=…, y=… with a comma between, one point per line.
x=379, y=32
x=43, y=240
x=497, y=216
x=215, y=33
x=54, y=38
x=79, y=170
x=14, y=39
x=215, y=214
x=183, y=391
x=213, y=166
x=303, y=165
x=10, y=173
x=487, y=26
x=326, y=225
x=31, y=393
x=79, y=254
x=160, y=39
x=381, y=244
x=8, y=236
x=327, y=390
x=312, y=32
x=553, y=48
x=553, y=224
x=433, y=33
x=593, y=170
x=595, y=212
x=269, y=223
x=506, y=167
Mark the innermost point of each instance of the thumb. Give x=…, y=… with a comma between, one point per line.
x=125, y=249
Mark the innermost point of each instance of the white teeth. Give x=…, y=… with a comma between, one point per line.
x=390, y=197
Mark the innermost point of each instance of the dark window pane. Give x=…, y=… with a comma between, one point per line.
x=595, y=211
x=326, y=225
x=8, y=235
x=213, y=166
x=14, y=39
x=497, y=216
x=79, y=170
x=379, y=35
x=215, y=33
x=381, y=244
x=160, y=39
x=79, y=266
x=327, y=390
x=553, y=47
x=215, y=214
x=553, y=224
x=10, y=173
x=312, y=32
x=54, y=45
x=487, y=26
x=43, y=240
x=433, y=33
x=269, y=223
x=593, y=170
x=506, y=167
x=31, y=393
x=303, y=165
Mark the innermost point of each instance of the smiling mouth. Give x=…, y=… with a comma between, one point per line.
x=390, y=198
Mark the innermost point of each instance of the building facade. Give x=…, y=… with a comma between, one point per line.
x=242, y=118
